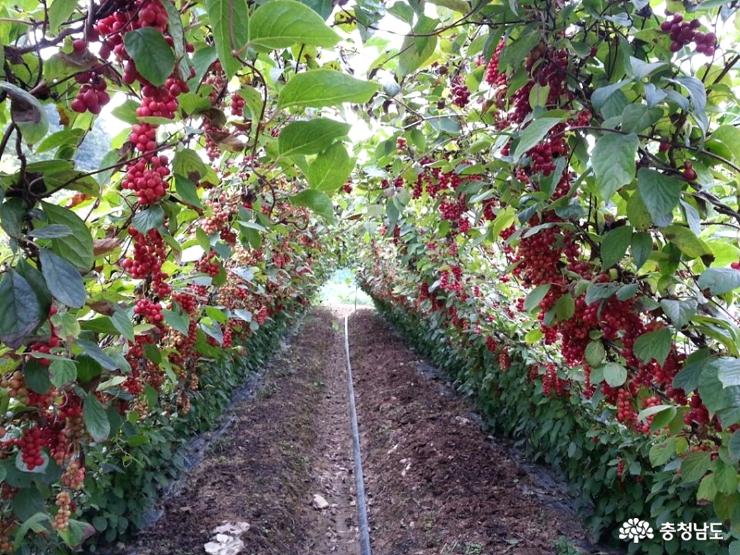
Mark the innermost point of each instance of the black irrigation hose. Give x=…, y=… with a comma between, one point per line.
x=359, y=479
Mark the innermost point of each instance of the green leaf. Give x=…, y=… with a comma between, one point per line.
x=53, y=231
x=321, y=7
x=595, y=353
x=535, y=297
x=123, y=324
x=707, y=489
x=62, y=372
x=637, y=117
x=188, y=164
x=65, y=137
x=533, y=134
x=600, y=291
x=680, y=312
x=688, y=378
x=310, y=137
x=36, y=523
x=614, y=374
x=602, y=94
x=641, y=247
x=59, y=13
x=62, y=279
x=283, y=23
x=695, y=466
x=230, y=25
x=720, y=280
x=669, y=410
x=187, y=191
x=95, y=418
x=688, y=243
x=504, y=218
x=728, y=370
x=94, y=351
x=734, y=446
x=627, y=291
x=149, y=218
x=316, y=201
x=661, y=453
x=517, y=50
x=698, y=97
x=152, y=56
x=613, y=160
x=20, y=311
x=325, y=87
x=417, y=49
x=27, y=112
x=78, y=246
x=330, y=170
x=177, y=320
x=614, y=245
x=660, y=193
x=564, y=308
x=640, y=69
x=177, y=32
x=653, y=345
x=725, y=478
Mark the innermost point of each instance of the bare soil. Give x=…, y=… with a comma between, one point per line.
x=289, y=443
x=437, y=484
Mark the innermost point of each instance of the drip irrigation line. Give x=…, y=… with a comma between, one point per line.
x=359, y=478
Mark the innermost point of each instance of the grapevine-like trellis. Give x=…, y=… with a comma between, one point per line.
x=550, y=191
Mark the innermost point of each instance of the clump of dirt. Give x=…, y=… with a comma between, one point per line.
x=437, y=484
x=288, y=444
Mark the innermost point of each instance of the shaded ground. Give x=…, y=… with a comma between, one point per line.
x=283, y=447
x=436, y=483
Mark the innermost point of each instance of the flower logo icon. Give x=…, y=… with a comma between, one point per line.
x=635, y=530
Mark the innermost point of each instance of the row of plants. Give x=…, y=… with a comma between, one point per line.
x=554, y=207
x=135, y=296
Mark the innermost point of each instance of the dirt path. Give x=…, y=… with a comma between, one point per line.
x=436, y=483
x=284, y=446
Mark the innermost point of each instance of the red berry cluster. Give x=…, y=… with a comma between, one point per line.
x=237, y=105
x=207, y=265
x=146, y=177
x=74, y=476
x=626, y=413
x=685, y=32
x=149, y=255
x=30, y=445
x=93, y=95
x=186, y=300
x=161, y=102
x=64, y=511
x=460, y=92
x=452, y=281
x=504, y=361
x=261, y=315
x=149, y=311
x=130, y=15
x=144, y=137
x=493, y=77
x=552, y=384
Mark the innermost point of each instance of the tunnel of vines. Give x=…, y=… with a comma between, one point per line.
x=542, y=195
